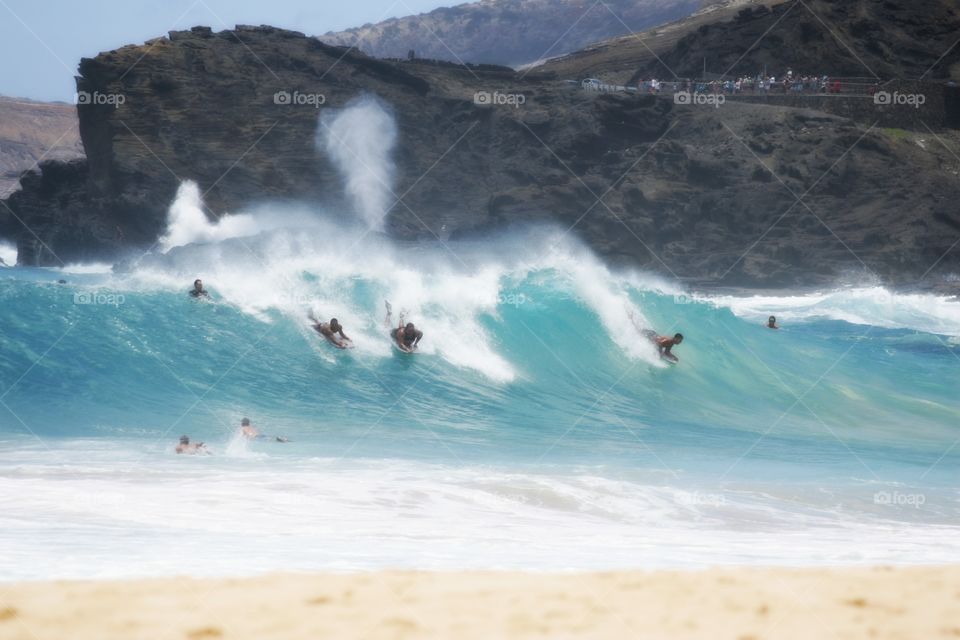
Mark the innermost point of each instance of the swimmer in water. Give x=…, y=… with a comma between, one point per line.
x=664, y=344
x=250, y=432
x=331, y=330
x=198, y=291
x=190, y=448
x=406, y=336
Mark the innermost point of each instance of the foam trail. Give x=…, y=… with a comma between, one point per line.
x=607, y=296
x=359, y=140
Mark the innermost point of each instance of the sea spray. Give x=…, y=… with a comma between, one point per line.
x=359, y=139
x=8, y=254
x=319, y=270
x=188, y=222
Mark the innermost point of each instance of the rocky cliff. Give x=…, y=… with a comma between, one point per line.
x=510, y=32
x=906, y=40
x=745, y=194
x=871, y=40
x=32, y=131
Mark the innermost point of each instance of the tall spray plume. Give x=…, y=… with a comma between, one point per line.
x=359, y=139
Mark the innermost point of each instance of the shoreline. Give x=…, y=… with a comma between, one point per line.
x=736, y=603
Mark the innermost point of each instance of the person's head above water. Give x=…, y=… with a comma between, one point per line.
x=772, y=320
x=198, y=284
x=678, y=338
x=184, y=440
x=410, y=330
x=334, y=324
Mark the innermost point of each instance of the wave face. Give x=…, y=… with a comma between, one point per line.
x=534, y=429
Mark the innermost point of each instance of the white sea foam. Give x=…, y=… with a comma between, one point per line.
x=85, y=268
x=188, y=223
x=117, y=519
x=873, y=306
x=8, y=253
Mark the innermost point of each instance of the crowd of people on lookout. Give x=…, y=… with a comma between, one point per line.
x=759, y=84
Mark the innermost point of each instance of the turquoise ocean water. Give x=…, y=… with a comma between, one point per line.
x=535, y=429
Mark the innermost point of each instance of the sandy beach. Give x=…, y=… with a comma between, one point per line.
x=741, y=604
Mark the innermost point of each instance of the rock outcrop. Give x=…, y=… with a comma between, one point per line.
x=742, y=195
x=31, y=132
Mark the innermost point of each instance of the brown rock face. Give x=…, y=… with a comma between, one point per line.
x=745, y=194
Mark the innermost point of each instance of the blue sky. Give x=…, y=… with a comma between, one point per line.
x=41, y=41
